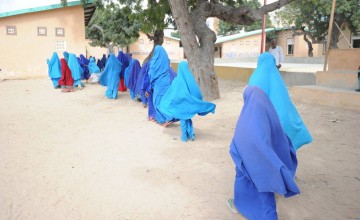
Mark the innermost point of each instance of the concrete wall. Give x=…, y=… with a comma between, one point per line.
x=24, y=55
x=240, y=48
x=344, y=60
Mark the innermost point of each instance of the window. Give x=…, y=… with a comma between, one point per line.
x=255, y=43
x=247, y=42
x=167, y=42
x=241, y=42
x=141, y=41
x=355, y=40
x=10, y=30
x=42, y=31
x=290, y=46
x=60, y=45
x=59, y=32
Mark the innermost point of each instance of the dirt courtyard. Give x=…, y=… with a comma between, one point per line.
x=82, y=156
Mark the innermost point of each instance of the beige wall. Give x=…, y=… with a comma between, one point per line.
x=344, y=60
x=24, y=55
x=243, y=47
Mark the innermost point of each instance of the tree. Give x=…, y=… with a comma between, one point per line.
x=112, y=26
x=226, y=28
x=198, y=40
x=311, y=19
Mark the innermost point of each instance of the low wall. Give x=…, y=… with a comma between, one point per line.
x=336, y=79
x=243, y=74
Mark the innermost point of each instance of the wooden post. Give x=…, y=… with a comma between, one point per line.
x=263, y=32
x=329, y=34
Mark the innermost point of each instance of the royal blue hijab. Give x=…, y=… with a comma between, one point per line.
x=267, y=77
x=132, y=77
x=54, y=69
x=183, y=100
x=110, y=77
x=93, y=68
x=264, y=157
x=76, y=70
x=124, y=61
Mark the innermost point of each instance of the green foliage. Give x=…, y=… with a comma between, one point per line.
x=226, y=28
x=112, y=25
x=314, y=15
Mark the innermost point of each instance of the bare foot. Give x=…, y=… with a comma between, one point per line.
x=167, y=124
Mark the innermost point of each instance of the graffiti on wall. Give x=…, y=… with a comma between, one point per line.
x=234, y=55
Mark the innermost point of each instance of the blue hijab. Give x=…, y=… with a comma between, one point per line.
x=93, y=68
x=159, y=71
x=267, y=77
x=110, y=77
x=124, y=61
x=264, y=157
x=183, y=100
x=66, y=56
x=143, y=83
x=76, y=70
x=54, y=69
x=132, y=76
x=103, y=60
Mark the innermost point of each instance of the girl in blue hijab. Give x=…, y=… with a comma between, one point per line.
x=264, y=157
x=183, y=100
x=66, y=56
x=131, y=75
x=94, y=70
x=84, y=62
x=267, y=77
x=54, y=69
x=110, y=77
x=125, y=63
x=76, y=70
x=160, y=80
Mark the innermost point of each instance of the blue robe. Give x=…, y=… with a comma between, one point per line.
x=66, y=56
x=99, y=64
x=183, y=100
x=264, y=157
x=76, y=70
x=131, y=74
x=124, y=61
x=160, y=80
x=92, y=66
x=84, y=65
x=54, y=69
x=146, y=87
x=110, y=77
x=267, y=77
x=103, y=61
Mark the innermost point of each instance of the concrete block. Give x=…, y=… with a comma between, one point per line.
x=337, y=79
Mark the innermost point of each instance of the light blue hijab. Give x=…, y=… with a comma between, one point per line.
x=110, y=77
x=93, y=68
x=54, y=69
x=76, y=70
x=183, y=100
x=267, y=77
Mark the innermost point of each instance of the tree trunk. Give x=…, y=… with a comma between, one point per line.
x=200, y=55
x=158, y=39
x=310, y=48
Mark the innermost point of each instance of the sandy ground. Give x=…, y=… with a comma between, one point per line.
x=82, y=156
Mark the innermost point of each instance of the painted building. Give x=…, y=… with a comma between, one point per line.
x=29, y=36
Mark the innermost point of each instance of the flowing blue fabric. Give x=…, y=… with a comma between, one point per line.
x=127, y=73
x=84, y=62
x=110, y=77
x=264, y=157
x=267, y=77
x=132, y=77
x=99, y=64
x=124, y=61
x=76, y=70
x=160, y=80
x=103, y=61
x=93, y=68
x=54, y=69
x=66, y=56
x=183, y=100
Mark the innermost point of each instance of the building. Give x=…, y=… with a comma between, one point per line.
x=29, y=36
x=248, y=44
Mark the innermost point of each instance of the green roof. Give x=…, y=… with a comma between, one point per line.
x=246, y=34
x=42, y=8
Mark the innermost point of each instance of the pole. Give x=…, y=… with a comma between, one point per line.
x=329, y=34
x=263, y=31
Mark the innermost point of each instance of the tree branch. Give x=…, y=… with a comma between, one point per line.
x=273, y=6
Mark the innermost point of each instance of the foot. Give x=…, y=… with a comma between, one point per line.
x=231, y=205
x=167, y=124
x=151, y=119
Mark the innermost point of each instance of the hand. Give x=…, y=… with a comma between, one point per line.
x=279, y=66
x=146, y=94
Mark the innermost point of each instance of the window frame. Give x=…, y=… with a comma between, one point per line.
x=59, y=35
x=11, y=26
x=38, y=31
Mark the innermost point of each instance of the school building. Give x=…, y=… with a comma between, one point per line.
x=29, y=36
